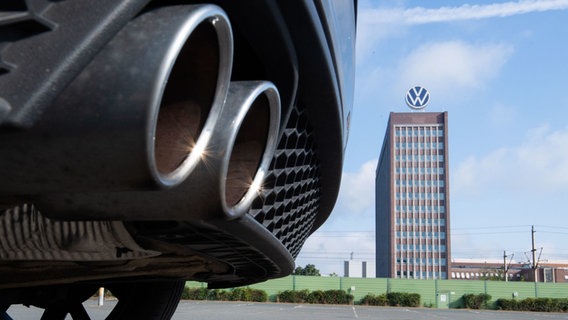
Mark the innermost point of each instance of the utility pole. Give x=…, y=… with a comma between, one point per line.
x=534, y=264
x=505, y=265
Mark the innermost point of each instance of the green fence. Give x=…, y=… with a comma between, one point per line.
x=434, y=293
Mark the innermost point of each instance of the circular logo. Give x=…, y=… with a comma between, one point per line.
x=417, y=97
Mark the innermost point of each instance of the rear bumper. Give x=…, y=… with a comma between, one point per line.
x=304, y=48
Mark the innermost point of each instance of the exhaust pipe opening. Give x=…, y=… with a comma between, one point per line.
x=252, y=146
x=187, y=100
x=195, y=88
x=247, y=151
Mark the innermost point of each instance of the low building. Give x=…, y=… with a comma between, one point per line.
x=358, y=269
x=494, y=270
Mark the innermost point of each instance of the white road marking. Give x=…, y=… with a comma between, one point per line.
x=355, y=312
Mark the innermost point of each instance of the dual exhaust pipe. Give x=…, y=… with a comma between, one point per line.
x=151, y=129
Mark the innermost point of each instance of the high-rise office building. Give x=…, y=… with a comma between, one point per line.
x=412, y=198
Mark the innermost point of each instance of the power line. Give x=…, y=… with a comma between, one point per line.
x=492, y=227
x=476, y=233
x=552, y=232
x=330, y=258
x=345, y=231
x=552, y=227
x=336, y=236
x=558, y=253
x=336, y=252
x=339, y=234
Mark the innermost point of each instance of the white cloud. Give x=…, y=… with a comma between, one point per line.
x=448, y=67
x=475, y=174
x=544, y=158
x=420, y=15
x=539, y=165
x=375, y=24
x=357, y=193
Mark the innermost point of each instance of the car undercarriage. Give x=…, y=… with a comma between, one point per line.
x=145, y=143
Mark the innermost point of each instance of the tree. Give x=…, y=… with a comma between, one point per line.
x=309, y=270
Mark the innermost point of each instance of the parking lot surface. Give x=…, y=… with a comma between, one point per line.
x=212, y=310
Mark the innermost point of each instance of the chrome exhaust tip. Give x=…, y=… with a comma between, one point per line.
x=192, y=92
x=131, y=119
x=226, y=179
x=251, y=146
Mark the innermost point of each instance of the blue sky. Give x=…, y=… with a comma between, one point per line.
x=500, y=69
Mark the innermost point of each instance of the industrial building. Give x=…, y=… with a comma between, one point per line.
x=412, y=198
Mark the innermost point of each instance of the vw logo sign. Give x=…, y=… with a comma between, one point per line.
x=417, y=97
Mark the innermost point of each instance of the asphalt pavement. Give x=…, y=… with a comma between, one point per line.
x=213, y=310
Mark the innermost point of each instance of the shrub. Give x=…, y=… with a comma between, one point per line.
x=337, y=297
x=561, y=305
x=506, y=304
x=316, y=297
x=247, y=294
x=220, y=295
x=534, y=304
x=394, y=299
x=285, y=296
x=550, y=305
x=476, y=301
x=373, y=300
x=528, y=304
x=292, y=296
x=237, y=294
x=194, y=293
x=258, y=295
x=403, y=299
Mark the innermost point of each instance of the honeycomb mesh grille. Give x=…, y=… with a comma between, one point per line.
x=289, y=201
